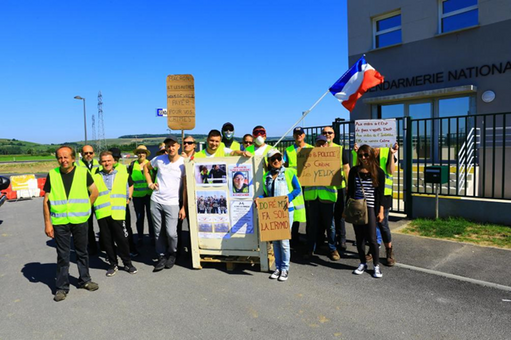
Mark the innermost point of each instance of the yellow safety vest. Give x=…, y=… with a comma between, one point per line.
x=140, y=187
x=292, y=159
x=219, y=153
x=234, y=146
x=384, y=156
x=324, y=193
x=111, y=203
x=74, y=209
x=343, y=183
x=81, y=164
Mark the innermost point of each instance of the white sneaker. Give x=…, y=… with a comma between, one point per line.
x=377, y=272
x=275, y=274
x=283, y=276
x=361, y=269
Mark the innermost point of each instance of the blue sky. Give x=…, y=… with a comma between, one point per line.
x=259, y=62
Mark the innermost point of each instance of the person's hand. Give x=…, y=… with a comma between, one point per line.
x=355, y=147
x=153, y=186
x=287, y=202
x=48, y=229
x=182, y=213
x=246, y=154
x=380, y=217
x=256, y=203
x=394, y=149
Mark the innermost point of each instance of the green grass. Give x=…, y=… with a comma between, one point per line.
x=13, y=158
x=459, y=229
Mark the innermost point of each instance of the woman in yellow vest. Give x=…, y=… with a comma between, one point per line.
x=141, y=193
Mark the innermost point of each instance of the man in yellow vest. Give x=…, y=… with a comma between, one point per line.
x=228, y=142
x=340, y=225
x=259, y=148
x=69, y=193
x=91, y=164
x=320, y=211
x=141, y=193
x=387, y=160
x=116, y=153
x=115, y=190
x=214, y=147
x=291, y=162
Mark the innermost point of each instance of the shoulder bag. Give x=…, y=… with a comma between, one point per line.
x=356, y=209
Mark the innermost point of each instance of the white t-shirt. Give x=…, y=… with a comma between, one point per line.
x=169, y=181
x=259, y=151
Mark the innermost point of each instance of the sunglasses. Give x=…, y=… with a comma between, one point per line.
x=328, y=132
x=363, y=155
x=276, y=158
x=141, y=153
x=188, y=143
x=248, y=142
x=88, y=153
x=259, y=132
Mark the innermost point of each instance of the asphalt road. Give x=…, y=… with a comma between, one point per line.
x=321, y=300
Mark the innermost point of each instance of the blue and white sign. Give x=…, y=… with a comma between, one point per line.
x=161, y=112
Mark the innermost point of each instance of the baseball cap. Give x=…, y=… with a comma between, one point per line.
x=228, y=126
x=273, y=152
x=170, y=138
x=116, y=152
x=321, y=138
x=298, y=130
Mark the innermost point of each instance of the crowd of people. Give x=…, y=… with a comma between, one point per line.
x=80, y=188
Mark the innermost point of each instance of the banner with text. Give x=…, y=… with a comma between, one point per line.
x=180, y=102
x=273, y=219
x=377, y=133
x=319, y=166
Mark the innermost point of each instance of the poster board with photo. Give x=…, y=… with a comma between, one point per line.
x=221, y=213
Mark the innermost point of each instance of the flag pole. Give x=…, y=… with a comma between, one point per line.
x=305, y=113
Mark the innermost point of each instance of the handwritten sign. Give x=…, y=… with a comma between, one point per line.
x=377, y=133
x=273, y=219
x=319, y=166
x=180, y=102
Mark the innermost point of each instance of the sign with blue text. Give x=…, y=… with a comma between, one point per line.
x=161, y=112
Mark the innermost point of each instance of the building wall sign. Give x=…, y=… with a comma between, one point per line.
x=441, y=77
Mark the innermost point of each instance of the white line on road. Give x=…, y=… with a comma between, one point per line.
x=456, y=277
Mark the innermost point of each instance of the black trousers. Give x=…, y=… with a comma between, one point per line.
x=367, y=233
x=131, y=242
x=340, y=225
x=143, y=204
x=93, y=245
x=112, y=233
x=63, y=241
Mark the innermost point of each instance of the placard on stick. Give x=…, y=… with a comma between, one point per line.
x=273, y=219
x=377, y=133
x=319, y=166
x=180, y=102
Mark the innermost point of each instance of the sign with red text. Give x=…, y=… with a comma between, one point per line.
x=273, y=219
x=319, y=166
x=377, y=133
x=180, y=102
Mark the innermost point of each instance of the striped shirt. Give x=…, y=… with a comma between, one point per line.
x=367, y=183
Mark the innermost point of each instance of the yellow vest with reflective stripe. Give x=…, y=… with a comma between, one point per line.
x=234, y=146
x=324, y=193
x=81, y=164
x=343, y=183
x=292, y=159
x=384, y=156
x=111, y=203
x=140, y=188
x=299, y=214
x=74, y=209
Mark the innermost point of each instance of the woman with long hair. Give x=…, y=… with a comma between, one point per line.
x=367, y=180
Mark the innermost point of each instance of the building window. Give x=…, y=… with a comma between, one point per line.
x=387, y=30
x=457, y=14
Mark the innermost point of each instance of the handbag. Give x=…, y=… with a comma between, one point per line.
x=356, y=209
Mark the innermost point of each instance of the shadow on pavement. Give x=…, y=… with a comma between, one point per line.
x=37, y=272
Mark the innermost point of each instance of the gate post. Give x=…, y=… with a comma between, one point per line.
x=408, y=144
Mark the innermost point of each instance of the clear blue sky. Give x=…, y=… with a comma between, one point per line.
x=254, y=62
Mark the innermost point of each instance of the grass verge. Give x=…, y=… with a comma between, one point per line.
x=462, y=230
x=27, y=168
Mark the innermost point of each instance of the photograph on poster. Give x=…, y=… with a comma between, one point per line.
x=212, y=202
x=221, y=227
x=210, y=174
x=213, y=226
x=206, y=227
x=240, y=180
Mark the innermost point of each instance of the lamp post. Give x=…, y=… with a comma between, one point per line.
x=84, y=117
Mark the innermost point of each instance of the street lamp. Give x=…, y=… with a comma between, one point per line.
x=84, y=117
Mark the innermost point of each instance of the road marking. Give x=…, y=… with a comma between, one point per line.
x=456, y=277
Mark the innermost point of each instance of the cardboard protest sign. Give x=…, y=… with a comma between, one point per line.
x=377, y=133
x=319, y=166
x=273, y=219
x=180, y=102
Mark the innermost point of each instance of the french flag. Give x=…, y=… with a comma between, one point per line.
x=355, y=82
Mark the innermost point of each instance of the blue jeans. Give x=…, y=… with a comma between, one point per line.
x=165, y=216
x=282, y=250
x=383, y=229
x=320, y=214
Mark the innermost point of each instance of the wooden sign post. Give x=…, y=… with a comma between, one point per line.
x=180, y=102
x=319, y=166
x=273, y=219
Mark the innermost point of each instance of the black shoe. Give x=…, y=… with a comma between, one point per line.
x=60, y=295
x=343, y=246
x=170, y=262
x=161, y=264
x=111, y=271
x=130, y=269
